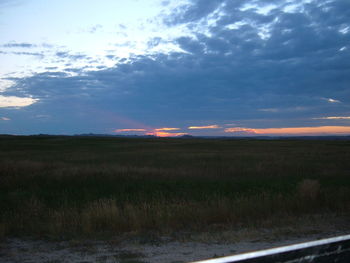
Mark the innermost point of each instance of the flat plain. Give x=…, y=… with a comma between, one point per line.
x=69, y=187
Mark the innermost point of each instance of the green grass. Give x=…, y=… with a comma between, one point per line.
x=89, y=185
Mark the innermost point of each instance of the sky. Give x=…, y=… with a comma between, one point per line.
x=175, y=67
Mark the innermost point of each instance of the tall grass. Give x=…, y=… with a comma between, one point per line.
x=85, y=186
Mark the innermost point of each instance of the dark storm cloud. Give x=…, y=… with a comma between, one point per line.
x=249, y=65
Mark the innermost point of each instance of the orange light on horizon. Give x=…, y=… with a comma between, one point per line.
x=204, y=127
x=166, y=134
x=320, y=130
x=129, y=130
x=159, y=132
x=167, y=129
x=240, y=129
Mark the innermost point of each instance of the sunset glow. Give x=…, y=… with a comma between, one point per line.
x=240, y=129
x=204, y=127
x=12, y=101
x=243, y=131
x=130, y=130
x=158, y=132
x=166, y=134
x=167, y=129
x=321, y=130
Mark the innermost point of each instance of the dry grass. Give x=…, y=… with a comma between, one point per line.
x=92, y=186
x=106, y=216
x=309, y=189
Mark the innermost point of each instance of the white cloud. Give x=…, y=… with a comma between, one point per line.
x=4, y=119
x=330, y=100
x=236, y=25
x=18, y=102
x=265, y=10
x=344, y=30
x=290, y=8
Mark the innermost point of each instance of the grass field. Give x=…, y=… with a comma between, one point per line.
x=105, y=185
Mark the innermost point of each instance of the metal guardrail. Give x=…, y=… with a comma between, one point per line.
x=328, y=250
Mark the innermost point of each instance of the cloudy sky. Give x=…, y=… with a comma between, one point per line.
x=170, y=67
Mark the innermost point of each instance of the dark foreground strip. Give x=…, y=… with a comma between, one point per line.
x=329, y=250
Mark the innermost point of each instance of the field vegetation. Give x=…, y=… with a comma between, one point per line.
x=62, y=186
